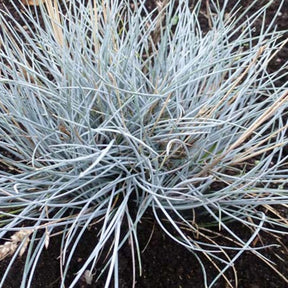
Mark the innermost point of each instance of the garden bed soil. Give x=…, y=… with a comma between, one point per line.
x=164, y=263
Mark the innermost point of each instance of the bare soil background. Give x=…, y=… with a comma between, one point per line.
x=166, y=264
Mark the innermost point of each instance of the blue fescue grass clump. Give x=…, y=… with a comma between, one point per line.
x=103, y=104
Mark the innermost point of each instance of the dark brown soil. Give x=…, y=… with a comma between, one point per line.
x=166, y=264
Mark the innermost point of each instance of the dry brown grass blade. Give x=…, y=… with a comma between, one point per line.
x=9, y=247
x=201, y=232
x=252, y=153
x=53, y=11
x=94, y=20
x=266, y=115
x=208, y=112
x=33, y=2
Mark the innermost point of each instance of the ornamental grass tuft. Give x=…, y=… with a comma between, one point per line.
x=108, y=110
